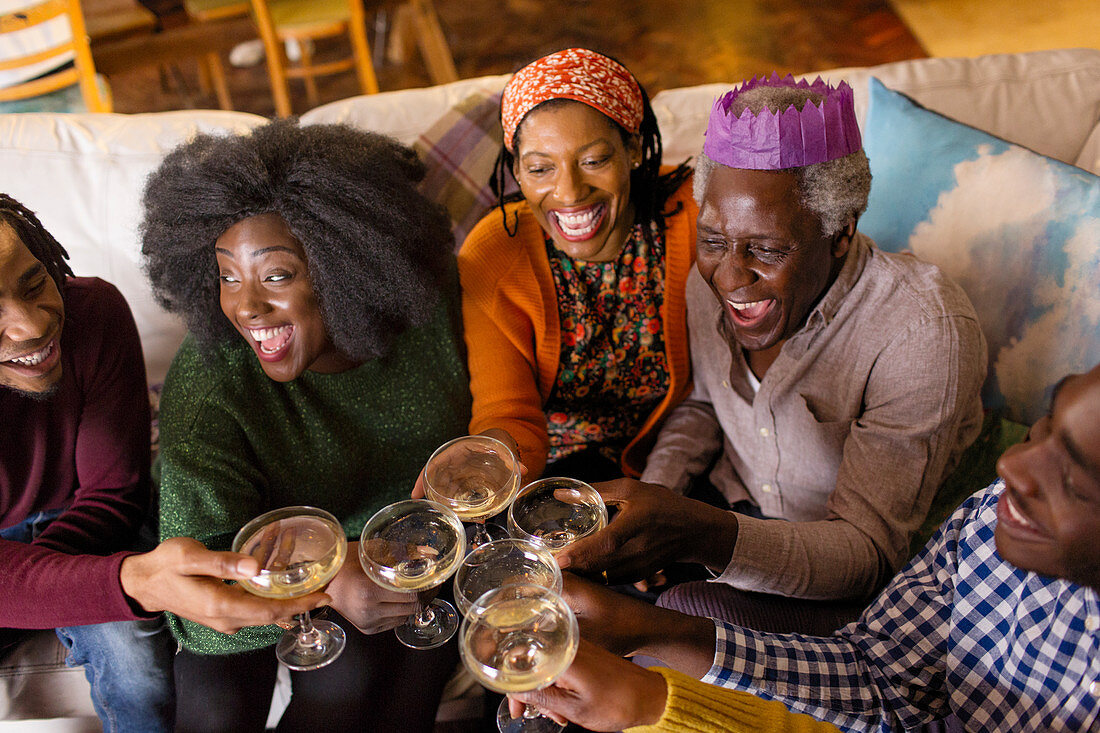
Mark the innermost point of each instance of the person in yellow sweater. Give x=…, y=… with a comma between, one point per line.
x=573, y=290
x=604, y=692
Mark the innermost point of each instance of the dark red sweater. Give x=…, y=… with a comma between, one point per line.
x=86, y=448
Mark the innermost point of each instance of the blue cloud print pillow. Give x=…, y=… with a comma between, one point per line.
x=1020, y=232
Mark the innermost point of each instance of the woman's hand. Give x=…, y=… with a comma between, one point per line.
x=599, y=691
x=370, y=607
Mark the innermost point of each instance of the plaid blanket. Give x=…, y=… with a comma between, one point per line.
x=459, y=151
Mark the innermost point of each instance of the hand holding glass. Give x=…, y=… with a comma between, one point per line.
x=300, y=549
x=504, y=562
x=555, y=512
x=476, y=476
x=519, y=638
x=414, y=545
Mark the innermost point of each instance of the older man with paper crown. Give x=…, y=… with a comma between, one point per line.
x=835, y=385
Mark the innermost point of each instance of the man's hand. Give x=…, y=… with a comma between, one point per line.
x=617, y=622
x=654, y=527
x=627, y=626
x=181, y=576
x=370, y=607
x=601, y=692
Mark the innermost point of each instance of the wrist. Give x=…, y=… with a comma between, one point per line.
x=652, y=699
x=679, y=641
x=711, y=535
x=130, y=578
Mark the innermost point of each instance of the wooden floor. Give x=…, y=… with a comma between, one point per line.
x=665, y=43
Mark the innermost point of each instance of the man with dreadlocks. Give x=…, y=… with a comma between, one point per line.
x=74, y=489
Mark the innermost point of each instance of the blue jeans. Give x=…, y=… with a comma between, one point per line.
x=127, y=663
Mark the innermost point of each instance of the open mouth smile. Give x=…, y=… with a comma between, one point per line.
x=750, y=313
x=270, y=342
x=1013, y=518
x=36, y=362
x=580, y=224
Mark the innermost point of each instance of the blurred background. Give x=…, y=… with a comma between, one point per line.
x=151, y=51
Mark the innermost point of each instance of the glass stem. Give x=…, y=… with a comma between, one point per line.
x=424, y=614
x=530, y=711
x=480, y=535
x=307, y=632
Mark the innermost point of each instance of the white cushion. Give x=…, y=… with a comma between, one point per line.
x=83, y=175
x=35, y=683
x=1048, y=101
x=402, y=114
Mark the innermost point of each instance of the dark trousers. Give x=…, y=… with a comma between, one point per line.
x=377, y=684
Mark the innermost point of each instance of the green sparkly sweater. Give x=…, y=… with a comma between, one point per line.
x=235, y=443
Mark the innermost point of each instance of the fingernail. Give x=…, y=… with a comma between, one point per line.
x=563, y=561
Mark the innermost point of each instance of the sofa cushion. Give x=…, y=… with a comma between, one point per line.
x=460, y=150
x=83, y=174
x=36, y=683
x=1048, y=101
x=402, y=114
x=1020, y=232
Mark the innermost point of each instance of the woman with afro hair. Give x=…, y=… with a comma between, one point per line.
x=323, y=366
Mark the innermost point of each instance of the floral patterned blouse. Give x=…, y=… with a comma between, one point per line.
x=613, y=371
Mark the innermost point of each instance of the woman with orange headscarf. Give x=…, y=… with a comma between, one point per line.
x=573, y=292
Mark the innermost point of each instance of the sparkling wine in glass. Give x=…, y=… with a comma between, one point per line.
x=555, y=512
x=504, y=562
x=300, y=549
x=476, y=476
x=415, y=545
x=519, y=638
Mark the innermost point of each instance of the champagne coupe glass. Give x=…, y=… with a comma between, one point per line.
x=300, y=549
x=519, y=638
x=476, y=476
x=554, y=512
x=503, y=562
x=414, y=545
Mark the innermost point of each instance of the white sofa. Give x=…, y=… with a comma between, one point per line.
x=83, y=174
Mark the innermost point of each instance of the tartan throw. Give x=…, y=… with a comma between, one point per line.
x=459, y=151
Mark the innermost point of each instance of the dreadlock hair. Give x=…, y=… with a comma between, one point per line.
x=376, y=249
x=649, y=189
x=40, y=242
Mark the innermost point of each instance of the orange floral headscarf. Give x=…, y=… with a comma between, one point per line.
x=577, y=74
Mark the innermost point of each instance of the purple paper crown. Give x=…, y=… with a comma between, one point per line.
x=791, y=138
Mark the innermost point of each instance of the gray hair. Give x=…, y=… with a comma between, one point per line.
x=836, y=190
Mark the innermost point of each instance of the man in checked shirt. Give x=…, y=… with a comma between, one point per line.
x=996, y=621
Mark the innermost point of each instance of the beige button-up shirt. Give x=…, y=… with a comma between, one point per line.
x=855, y=425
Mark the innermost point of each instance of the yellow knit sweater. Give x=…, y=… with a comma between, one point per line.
x=696, y=707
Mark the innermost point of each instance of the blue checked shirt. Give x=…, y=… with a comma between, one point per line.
x=958, y=630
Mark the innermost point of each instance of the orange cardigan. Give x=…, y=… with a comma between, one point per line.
x=513, y=336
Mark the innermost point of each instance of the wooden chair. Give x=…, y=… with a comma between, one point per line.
x=421, y=17
x=211, y=70
x=303, y=21
x=94, y=96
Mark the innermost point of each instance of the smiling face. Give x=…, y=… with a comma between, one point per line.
x=574, y=170
x=268, y=296
x=31, y=316
x=1048, y=519
x=763, y=254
